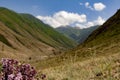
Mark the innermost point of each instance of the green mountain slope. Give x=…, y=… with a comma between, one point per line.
x=95, y=59
x=77, y=34
x=102, y=42
x=25, y=34
x=110, y=30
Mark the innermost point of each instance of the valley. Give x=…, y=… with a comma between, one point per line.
x=26, y=36
x=97, y=58
x=63, y=53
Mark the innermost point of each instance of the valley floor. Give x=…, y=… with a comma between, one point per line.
x=102, y=68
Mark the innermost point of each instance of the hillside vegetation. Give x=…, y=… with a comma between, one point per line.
x=75, y=33
x=26, y=36
x=95, y=68
x=95, y=59
x=104, y=40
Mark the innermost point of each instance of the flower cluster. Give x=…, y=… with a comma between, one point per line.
x=13, y=70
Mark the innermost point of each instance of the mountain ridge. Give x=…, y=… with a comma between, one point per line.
x=23, y=33
x=112, y=24
x=102, y=41
x=77, y=34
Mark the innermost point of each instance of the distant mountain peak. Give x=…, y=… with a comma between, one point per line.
x=77, y=27
x=75, y=33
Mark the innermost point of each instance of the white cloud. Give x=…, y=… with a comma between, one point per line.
x=81, y=26
x=87, y=5
x=96, y=6
x=49, y=20
x=63, y=18
x=81, y=4
x=98, y=21
x=99, y=6
x=89, y=24
x=85, y=25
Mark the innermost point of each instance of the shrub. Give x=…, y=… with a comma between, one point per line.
x=13, y=70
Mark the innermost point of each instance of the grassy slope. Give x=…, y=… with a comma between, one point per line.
x=69, y=32
x=101, y=68
x=31, y=24
x=62, y=40
x=105, y=38
x=25, y=34
x=96, y=59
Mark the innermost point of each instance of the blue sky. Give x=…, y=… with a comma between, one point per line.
x=81, y=13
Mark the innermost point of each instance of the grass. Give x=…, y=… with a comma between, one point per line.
x=23, y=36
x=96, y=59
x=27, y=26
x=4, y=40
x=104, y=67
x=100, y=62
x=101, y=68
